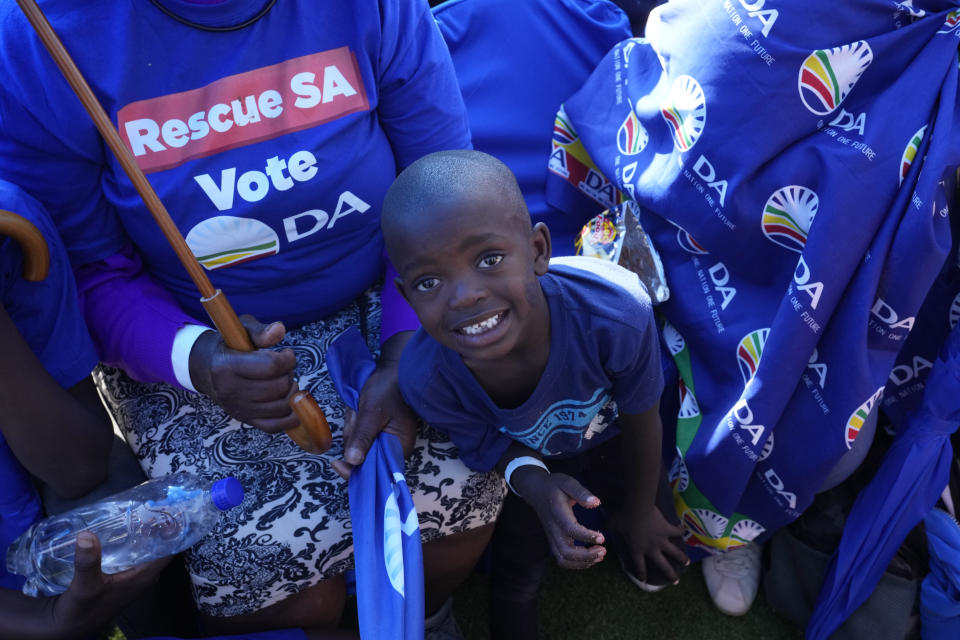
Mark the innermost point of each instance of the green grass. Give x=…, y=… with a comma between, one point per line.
x=601, y=604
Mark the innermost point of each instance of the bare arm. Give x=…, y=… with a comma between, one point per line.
x=646, y=529
x=61, y=437
x=552, y=496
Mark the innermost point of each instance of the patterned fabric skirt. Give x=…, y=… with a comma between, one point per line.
x=293, y=528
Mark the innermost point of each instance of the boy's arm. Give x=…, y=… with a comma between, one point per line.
x=552, y=496
x=646, y=529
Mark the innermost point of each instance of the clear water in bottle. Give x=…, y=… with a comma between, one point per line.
x=155, y=519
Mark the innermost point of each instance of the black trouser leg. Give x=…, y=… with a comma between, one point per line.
x=520, y=560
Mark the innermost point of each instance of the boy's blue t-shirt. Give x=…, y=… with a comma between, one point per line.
x=603, y=350
x=516, y=62
x=271, y=146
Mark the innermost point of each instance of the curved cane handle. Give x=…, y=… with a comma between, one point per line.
x=313, y=423
x=36, y=254
x=313, y=432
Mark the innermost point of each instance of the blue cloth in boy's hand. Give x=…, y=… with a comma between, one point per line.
x=386, y=532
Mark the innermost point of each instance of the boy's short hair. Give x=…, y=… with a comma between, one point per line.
x=447, y=177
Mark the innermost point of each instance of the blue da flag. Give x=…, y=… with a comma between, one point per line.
x=908, y=482
x=940, y=593
x=386, y=532
x=789, y=160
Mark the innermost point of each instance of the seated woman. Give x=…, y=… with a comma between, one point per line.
x=270, y=132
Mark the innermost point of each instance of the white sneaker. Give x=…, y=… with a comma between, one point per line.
x=733, y=578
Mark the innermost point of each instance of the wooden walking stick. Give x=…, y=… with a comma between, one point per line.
x=36, y=254
x=313, y=433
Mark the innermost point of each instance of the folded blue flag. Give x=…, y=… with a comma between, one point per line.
x=386, y=532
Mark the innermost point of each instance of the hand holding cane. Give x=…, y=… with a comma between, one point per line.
x=313, y=433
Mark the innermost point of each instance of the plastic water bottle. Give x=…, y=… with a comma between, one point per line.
x=152, y=520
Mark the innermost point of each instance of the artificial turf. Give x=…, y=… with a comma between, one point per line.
x=601, y=604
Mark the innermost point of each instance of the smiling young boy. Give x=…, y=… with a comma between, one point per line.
x=520, y=361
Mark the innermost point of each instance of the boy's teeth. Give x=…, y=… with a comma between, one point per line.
x=480, y=327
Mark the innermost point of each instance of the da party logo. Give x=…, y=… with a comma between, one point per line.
x=563, y=132
x=787, y=216
x=951, y=22
x=225, y=240
x=706, y=524
x=632, y=137
x=685, y=112
x=749, y=351
x=688, y=244
x=828, y=75
x=672, y=339
x=689, y=408
x=679, y=475
x=857, y=419
x=910, y=153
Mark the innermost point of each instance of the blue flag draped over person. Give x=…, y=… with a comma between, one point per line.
x=386, y=533
x=789, y=160
x=940, y=593
x=901, y=492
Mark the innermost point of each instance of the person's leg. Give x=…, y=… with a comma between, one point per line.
x=448, y=561
x=317, y=607
x=520, y=560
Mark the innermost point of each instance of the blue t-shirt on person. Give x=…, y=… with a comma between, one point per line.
x=604, y=359
x=271, y=145
x=516, y=62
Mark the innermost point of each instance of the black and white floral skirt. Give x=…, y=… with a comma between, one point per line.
x=293, y=528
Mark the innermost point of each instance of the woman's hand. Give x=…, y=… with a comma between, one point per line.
x=381, y=408
x=254, y=387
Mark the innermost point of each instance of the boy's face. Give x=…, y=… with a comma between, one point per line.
x=469, y=269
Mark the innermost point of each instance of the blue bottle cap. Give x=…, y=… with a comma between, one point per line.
x=226, y=493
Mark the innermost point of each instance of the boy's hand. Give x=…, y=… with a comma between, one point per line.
x=648, y=539
x=93, y=597
x=552, y=496
x=254, y=387
x=380, y=408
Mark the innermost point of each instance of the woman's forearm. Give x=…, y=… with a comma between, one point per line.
x=132, y=319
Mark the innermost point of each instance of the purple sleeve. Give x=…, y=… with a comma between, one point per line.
x=397, y=314
x=132, y=319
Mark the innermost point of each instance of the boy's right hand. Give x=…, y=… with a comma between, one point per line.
x=94, y=597
x=552, y=496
